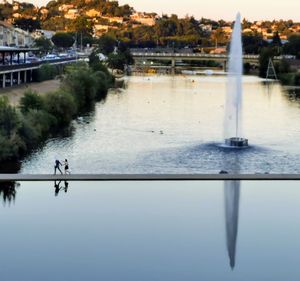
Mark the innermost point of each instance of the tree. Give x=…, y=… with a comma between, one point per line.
x=9, y=119
x=31, y=100
x=6, y=11
x=265, y=55
x=44, y=44
x=28, y=24
x=63, y=40
x=219, y=37
x=252, y=44
x=119, y=60
x=276, y=41
x=61, y=105
x=82, y=25
x=106, y=44
x=293, y=46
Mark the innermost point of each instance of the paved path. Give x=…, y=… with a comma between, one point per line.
x=15, y=93
x=143, y=177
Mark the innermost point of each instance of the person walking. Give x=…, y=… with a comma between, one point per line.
x=56, y=166
x=66, y=164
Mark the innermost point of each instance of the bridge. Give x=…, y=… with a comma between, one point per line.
x=17, y=74
x=175, y=57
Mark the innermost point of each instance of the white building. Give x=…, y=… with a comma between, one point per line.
x=11, y=36
x=43, y=33
x=143, y=18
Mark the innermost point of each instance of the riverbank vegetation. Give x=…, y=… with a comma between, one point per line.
x=286, y=69
x=39, y=117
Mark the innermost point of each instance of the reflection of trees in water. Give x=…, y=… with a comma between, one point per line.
x=8, y=191
x=293, y=94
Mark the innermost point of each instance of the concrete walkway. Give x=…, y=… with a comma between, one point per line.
x=143, y=177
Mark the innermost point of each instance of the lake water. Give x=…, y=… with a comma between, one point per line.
x=161, y=230
x=174, y=124
x=150, y=231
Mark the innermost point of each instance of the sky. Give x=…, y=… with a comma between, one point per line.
x=218, y=9
x=226, y=9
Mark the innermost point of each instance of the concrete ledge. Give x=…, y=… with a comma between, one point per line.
x=148, y=177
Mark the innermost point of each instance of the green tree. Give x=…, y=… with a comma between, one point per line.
x=44, y=44
x=63, y=40
x=265, y=55
x=293, y=46
x=61, y=105
x=106, y=44
x=80, y=82
x=276, y=41
x=252, y=44
x=9, y=119
x=6, y=11
x=116, y=61
x=219, y=37
x=28, y=24
x=82, y=25
x=31, y=100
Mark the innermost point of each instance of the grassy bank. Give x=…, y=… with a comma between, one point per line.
x=38, y=116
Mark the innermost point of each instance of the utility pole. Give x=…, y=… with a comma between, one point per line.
x=271, y=72
x=76, y=43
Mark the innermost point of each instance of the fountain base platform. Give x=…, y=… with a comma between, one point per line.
x=236, y=142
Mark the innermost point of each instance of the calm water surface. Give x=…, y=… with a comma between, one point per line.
x=174, y=124
x=150, y=231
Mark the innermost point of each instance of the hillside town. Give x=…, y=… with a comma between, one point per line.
x=21, y=23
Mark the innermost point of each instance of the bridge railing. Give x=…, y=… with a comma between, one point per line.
x=200, y=55
x=34, y=64
x=185, y=55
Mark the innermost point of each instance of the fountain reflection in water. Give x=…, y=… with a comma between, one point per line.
x=233, y=107
x=232, y=199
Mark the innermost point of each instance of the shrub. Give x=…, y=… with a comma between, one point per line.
x=61, y=105
x=29, y=133
x=102, y=84
x=286, y=78
x=98, y=66
x=36, y=126
x=284, y=66
x=9, y=119
x=45, y=72
x=11, y=146
x=31, y=100
x=297, y=79
x=82, y=84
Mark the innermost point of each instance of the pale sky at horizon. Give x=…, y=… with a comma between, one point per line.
x=217, y=9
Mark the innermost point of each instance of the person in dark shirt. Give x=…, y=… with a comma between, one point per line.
x=56, y=166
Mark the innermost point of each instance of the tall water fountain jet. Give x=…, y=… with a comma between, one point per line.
x=233, y=106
